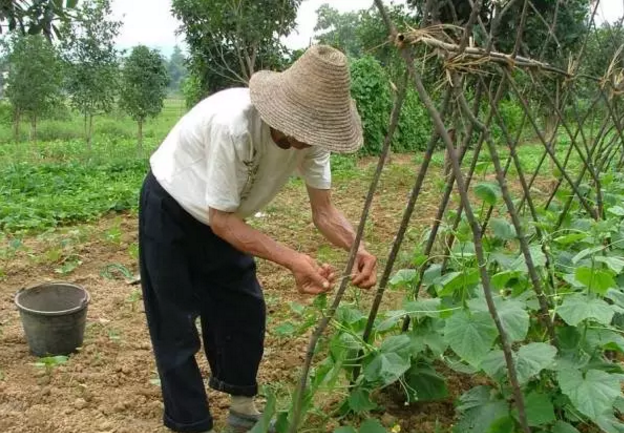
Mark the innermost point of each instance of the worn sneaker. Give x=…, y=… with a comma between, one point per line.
x=242, y=423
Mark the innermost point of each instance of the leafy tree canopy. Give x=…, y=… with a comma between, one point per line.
x=231, y=39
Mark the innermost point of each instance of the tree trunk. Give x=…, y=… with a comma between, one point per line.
x=18, y=118
x=89, y=132
x=140, y=142
x=33, y=130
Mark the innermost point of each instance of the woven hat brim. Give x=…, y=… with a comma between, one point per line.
x=339, y=132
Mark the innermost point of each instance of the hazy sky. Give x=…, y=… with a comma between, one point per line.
x=150, y=22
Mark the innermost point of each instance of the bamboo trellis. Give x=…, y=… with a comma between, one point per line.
x=598, y=152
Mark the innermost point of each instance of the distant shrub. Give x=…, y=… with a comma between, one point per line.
x=371, y=90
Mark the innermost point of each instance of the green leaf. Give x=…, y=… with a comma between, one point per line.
x=494, y=365
x=597, y=280
x=285, y=329
x=515, y=319
x=570, y=239
x=470, y=336
x=70, y=4
x=577, y=308
x=616, y=296
x=372, y=426
x=425, y=383
x=432, y=274
x=610, y=424
x=489, y=192
x=297, y=308
x=500, y=280
x=395, y=344
x=616, y=210
x=592, y=395
x=348, y=315
x=479, y=413
x=537, y=257
x=502, y=229
x=532, y=358
x=428, y=307
x=386, y=368
x=345, y=429
x=359, y=401
x=458, y=280
x=539, y=409
x=320, y=302
x=512, y=313
x=263, y=424
x=403, y=277
x=616, y=264
x=586, y=252
x=564, y=427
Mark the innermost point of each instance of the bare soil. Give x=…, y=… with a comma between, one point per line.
x=108, y=386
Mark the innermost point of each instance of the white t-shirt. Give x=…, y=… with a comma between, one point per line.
x=221, y=155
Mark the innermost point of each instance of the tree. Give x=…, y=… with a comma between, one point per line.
x=34, y=79
x=92, y=61
x=144, y=86
x=363, y=33
x=231, y=39
x=38, y=16
x=176, y=67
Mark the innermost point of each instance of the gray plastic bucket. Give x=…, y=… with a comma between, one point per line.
x=53, y=317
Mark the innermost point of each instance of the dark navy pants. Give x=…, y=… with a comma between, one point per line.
x=187, y=272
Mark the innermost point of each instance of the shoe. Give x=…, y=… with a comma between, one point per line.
x=242, y=423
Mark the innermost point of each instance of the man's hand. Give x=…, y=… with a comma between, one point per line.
x=364, y=270
x=311, y=278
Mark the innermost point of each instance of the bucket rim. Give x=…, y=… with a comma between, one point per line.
x=83, y=304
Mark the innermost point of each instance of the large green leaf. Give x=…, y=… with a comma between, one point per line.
x=494, y=365
x=512, y=312
x=503, y=229
x=470, y=336
x=594, y=394
x=532, y=358
x=386, y=368
x=585, y=253
x=499, y=281
x=515, y=318
x=423, y=307
x=539, y=409
x=489, y=192
x=425, y=383
x=537, y=257
x=597, y=280
x=616, y=264
x=480, y=412
x=610, y=424
x=576, y=308
x=345, y=429
x=396, y=344
x=403, y=278
x=606, y=339
x=564, y=427
x=458, y=280
x=372, y=426
x=529, y=361
x=360, y=402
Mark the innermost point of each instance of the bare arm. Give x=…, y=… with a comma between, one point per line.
x=337, y=229
x=310, y=277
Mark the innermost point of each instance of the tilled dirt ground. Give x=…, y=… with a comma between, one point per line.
x=109, y=385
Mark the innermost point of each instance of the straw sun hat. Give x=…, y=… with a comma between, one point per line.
x=311, y=100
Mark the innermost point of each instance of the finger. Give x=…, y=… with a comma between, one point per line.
x=332, y=277
x=320, y=281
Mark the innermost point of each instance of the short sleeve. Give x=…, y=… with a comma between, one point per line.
x=222, y=167
x=315, y=168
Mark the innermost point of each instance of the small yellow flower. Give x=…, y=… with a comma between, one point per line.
x=396, y=428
